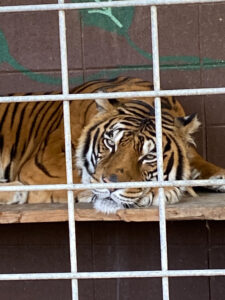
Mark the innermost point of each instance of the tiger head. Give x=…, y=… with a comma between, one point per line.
x=119, y=145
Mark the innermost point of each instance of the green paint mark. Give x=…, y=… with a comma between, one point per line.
x=105, y=19
x=107, y=12
x=4, y=49
x=118, y=21
x=6, y=57
x=138, y=49
x=109, y=19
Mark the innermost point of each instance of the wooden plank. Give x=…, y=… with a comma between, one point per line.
x=207, y=206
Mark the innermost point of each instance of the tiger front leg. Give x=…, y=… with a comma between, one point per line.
x=202, y=169
x=17, y=197
x=171, y=195
x=85, y=196
x=218, y=188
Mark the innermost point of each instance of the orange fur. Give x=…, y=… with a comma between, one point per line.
x=32, y=141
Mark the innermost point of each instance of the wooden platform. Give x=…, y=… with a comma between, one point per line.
x=208, y=206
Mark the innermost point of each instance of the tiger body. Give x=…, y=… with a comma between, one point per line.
x=114, y=141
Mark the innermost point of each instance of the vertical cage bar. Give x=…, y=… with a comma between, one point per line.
x=68, y=152
x=162, y=214
x=69, y=173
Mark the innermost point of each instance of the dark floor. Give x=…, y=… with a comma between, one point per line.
x=112, y=246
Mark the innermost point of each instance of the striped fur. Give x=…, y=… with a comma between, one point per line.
x=115, y=142
x=119, y=145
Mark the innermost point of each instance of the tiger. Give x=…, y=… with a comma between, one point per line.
x=112, y=140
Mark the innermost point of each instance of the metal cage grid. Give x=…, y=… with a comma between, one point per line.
x=164, y=273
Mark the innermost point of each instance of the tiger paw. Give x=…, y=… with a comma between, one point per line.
x=107, y=205
x=84, y=196
x=172, y=195
x=147, y=200
x=217, y=188
x=18, y=197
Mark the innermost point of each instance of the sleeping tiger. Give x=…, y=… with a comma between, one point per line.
x=112, y=141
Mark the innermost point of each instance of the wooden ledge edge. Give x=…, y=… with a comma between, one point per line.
x=208, y=206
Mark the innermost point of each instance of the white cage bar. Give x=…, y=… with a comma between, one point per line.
x=61, y=7
x=161, y=93
x=69, y=6
x=68, y=150
x=162, y=212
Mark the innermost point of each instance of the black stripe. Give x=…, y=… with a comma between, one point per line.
x=151, y=109
x=53, y=127
x=12, y=152
x=26, y=141
x=15, y=146
x=140, y=109
x=168, y=128
x=170, y=164
x=1, y=142
x=43, y=145
x=24, y=149
x=4, y=115
x=7, y=172
x=179, y=174
x=108, y=124
x=167, y=119
x=43, y=168
x=81, y=88
x=86, y=144
x=95, y=138
x=165, y=104
x=13, y=114
x=43, y=117
x=32, y=126
x=136, y=113
x=168, y=146
x=86, y=164
x=34, y=107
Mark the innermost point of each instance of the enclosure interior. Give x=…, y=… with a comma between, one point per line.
x=105, y=45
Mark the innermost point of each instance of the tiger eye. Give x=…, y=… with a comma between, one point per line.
x=110, y=133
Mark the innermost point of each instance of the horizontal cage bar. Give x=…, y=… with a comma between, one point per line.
x=70, y=186
x=135, y=184
x=103, y=4
x=161, y=93
x=107, y=275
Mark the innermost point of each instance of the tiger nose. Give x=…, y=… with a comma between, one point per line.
x=110, y=178
x=113, y=178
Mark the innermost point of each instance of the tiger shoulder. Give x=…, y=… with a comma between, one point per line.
x=113, y=140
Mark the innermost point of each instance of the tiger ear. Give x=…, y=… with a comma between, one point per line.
x=106, y=105
x=186, y=126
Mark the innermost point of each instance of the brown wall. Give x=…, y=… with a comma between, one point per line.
x=112, y=246
x=191, y=39
x=192, y=44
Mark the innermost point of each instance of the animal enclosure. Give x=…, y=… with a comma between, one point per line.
x=104, y=41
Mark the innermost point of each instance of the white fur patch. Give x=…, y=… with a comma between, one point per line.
x=107, y=206
x=217, y=188
x=19, y=198
x=171, y=196
x=148, y=147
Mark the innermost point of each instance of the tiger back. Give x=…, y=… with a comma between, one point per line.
x=112, y=141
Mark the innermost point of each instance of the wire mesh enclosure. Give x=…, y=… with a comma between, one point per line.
x=74, y=275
